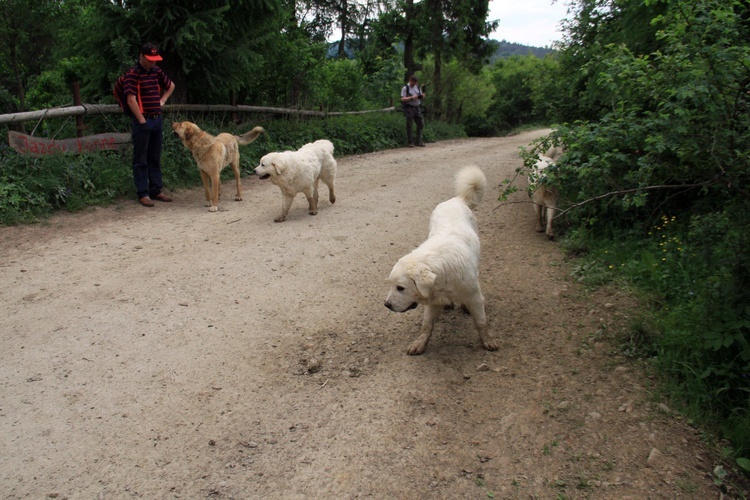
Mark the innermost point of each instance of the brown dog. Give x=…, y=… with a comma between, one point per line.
x=212, y=154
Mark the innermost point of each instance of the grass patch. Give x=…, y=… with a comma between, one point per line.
x=690, y=275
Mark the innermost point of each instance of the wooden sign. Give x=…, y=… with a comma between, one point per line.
x=36, y=146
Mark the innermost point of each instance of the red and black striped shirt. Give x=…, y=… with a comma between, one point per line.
x=152, y=84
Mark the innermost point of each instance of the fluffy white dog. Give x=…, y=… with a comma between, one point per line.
x=444, y=269
x=543, y=195
x=300, y=172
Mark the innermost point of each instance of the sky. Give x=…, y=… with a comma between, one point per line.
x=528, y=22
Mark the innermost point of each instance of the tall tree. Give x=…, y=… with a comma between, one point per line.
x=210, y=48
x=597, y=23
x=454, y=30
x=27, y=33
x=410, y=27
x=351, y=17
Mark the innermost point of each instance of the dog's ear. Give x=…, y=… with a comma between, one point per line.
x=278, y=167
x=423, y=278
x=189, y=132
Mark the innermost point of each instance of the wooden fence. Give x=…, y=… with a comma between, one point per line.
x=104, y=109
x=37, y=146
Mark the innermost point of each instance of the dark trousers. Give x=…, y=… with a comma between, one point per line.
x=147, y=139
x=414, y=115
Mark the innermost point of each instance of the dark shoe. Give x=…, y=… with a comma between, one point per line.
x=146, y=201
x=421, y=144
x=411, y=145
x=163, y=197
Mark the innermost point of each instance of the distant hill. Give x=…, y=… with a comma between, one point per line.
x=505, y=49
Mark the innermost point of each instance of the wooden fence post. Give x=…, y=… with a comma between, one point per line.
x=76, y=88
x=233, y=102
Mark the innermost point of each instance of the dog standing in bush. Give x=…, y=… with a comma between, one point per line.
x=543, y=195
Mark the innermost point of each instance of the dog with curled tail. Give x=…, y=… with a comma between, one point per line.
x=212, y=154
x=444, y=269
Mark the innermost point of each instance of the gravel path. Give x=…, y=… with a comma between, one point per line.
x=175, y=353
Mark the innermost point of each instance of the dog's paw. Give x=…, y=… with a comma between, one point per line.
x=213, y=208
x=238, y=198
x=490, y=344
x=313, y=212
x=416, y=348
x=279, y=219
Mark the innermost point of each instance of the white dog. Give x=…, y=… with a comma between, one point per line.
x=554, y=153
x=444, y=269
x=543, y=195
x=300, y=172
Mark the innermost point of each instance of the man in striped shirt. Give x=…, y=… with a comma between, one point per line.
x=147, y=88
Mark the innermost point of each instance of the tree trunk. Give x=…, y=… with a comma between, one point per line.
x=171, y=66
x=409, y=63
x=344, y=22
x=19, y=85
x=437, y=93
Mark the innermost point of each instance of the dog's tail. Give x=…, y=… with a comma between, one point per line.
x=248, y=137
x=470, y=185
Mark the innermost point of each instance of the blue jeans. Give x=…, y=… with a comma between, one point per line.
x=147, y=139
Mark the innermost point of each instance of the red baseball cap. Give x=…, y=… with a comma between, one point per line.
x=150, y=52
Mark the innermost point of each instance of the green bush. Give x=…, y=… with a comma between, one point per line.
x=655, y=196
x=693, y=275
x=513, y=103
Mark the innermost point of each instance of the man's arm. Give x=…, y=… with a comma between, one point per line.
x=408, y=97
x=133, y=105
x=167, y=93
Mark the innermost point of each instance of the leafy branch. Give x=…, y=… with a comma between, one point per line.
x=685, y=187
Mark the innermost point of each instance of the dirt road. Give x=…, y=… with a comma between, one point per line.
x=170, y=352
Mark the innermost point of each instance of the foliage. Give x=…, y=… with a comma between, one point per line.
x=654, y=187
x=48, y=90
x=438, y=30
x=381, y=45
x=27, y=32
x=511, y=105
x=341, y=86
x=288, y=73
x=456, y=29
x=383, y=85
x=33, y=188
x=209, y=49
x=464, y=94
x=349, y=15
x=693, y=274
x=632, y=24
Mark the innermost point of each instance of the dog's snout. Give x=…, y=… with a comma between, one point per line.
x=388, y=305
